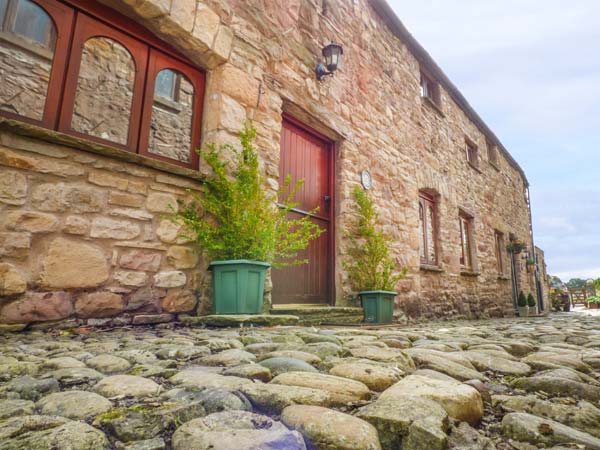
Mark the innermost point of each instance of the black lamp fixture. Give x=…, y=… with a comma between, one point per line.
x=332, y=54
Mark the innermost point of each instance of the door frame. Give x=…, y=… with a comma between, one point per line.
x=331, y=149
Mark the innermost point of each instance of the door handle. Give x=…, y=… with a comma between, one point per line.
x=326, y=198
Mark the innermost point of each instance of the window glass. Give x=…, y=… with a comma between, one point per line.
x=24, y=69
x=165, y=84
x=422, y=230
x=465, y=231
x=104, y=91
x=33, y=23
x=432, y=257
x=171, y=125
x=3, y=6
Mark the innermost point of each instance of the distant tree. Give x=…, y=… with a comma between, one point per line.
x=597, y=285
x=576, y=283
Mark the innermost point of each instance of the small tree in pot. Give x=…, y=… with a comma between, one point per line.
x=531, y=304
x=371, y=269
x=522, y=304
x=241, y=228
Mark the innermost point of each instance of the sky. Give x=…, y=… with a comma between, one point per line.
x=531, y=69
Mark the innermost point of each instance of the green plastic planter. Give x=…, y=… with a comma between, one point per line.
x=238, y=286
x=378, y=306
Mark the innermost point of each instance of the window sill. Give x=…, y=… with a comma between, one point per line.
x=495, y=166
x=56, y=137
x=468, y=273
x=503, y=278
x=474, y=166
x=428, y=268
x=430, y=103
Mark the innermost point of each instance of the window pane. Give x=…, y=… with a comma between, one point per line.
x=431, y=234
x=3, y=4
x=165, y=84
x=422, y=230
x=25, y=72
x=171, y=126
x=104, y=91
x=33, y=23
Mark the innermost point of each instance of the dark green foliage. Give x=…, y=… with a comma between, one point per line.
x=522, y=300
x=530, y=300
x=576, y=283
x=236, y=218
x=369, y=264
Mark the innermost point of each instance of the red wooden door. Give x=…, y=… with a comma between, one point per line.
x=306, y=156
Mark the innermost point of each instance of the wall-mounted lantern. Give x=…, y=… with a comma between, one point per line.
x=332, y=54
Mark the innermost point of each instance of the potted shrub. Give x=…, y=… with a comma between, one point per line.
x=237, y=223
x=531, y=304
x=371, y=269
x=522, y=304
x=516, y=247
x=593, y=302
x=530, y=264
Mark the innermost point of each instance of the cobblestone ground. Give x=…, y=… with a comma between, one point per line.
x=502, y=384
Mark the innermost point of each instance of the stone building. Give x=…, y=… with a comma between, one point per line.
x=102, y=103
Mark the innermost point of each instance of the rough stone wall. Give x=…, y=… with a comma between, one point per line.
x=260, y=56
x=86, y=236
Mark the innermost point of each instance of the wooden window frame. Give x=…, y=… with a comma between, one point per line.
x=472, y=153
x=465, y=221
x=75, y=22
x=432, y=92
x=425, y=201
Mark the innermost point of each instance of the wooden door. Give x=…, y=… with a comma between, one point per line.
x=307, y=156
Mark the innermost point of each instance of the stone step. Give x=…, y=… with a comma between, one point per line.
x=239, y=320
x=322, y=315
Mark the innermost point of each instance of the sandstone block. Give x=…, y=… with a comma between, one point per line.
x=125, y=199
x=223, y=42
x=148, y=319
x=170, y=279
x=170, y=232
x=129, y=278
x=104, y=228
x=182, y=257
x=70, y=264
x=13, y=187
x=161, y=202
x=64, y=197
x=140, y=260
x=147, y=298
x=43, y=165
x=108, y=180
x=237, y=83
x=206, y=25
x=99, y=304
x=178, y=301
x=183, y=13
x=12, y=281
x=76, y=225
x=38, y=307
x=15, y=245
x=31, y=221
x=132, y=213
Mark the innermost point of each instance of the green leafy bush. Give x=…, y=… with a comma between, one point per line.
x=522, y=300
x=594, y=299
x=235, y=217
x=530, y=300
x=370, y=266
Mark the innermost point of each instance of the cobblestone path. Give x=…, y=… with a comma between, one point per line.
x=497, y=384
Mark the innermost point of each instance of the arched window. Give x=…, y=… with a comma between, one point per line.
x=122, y=86
x=27, y=38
